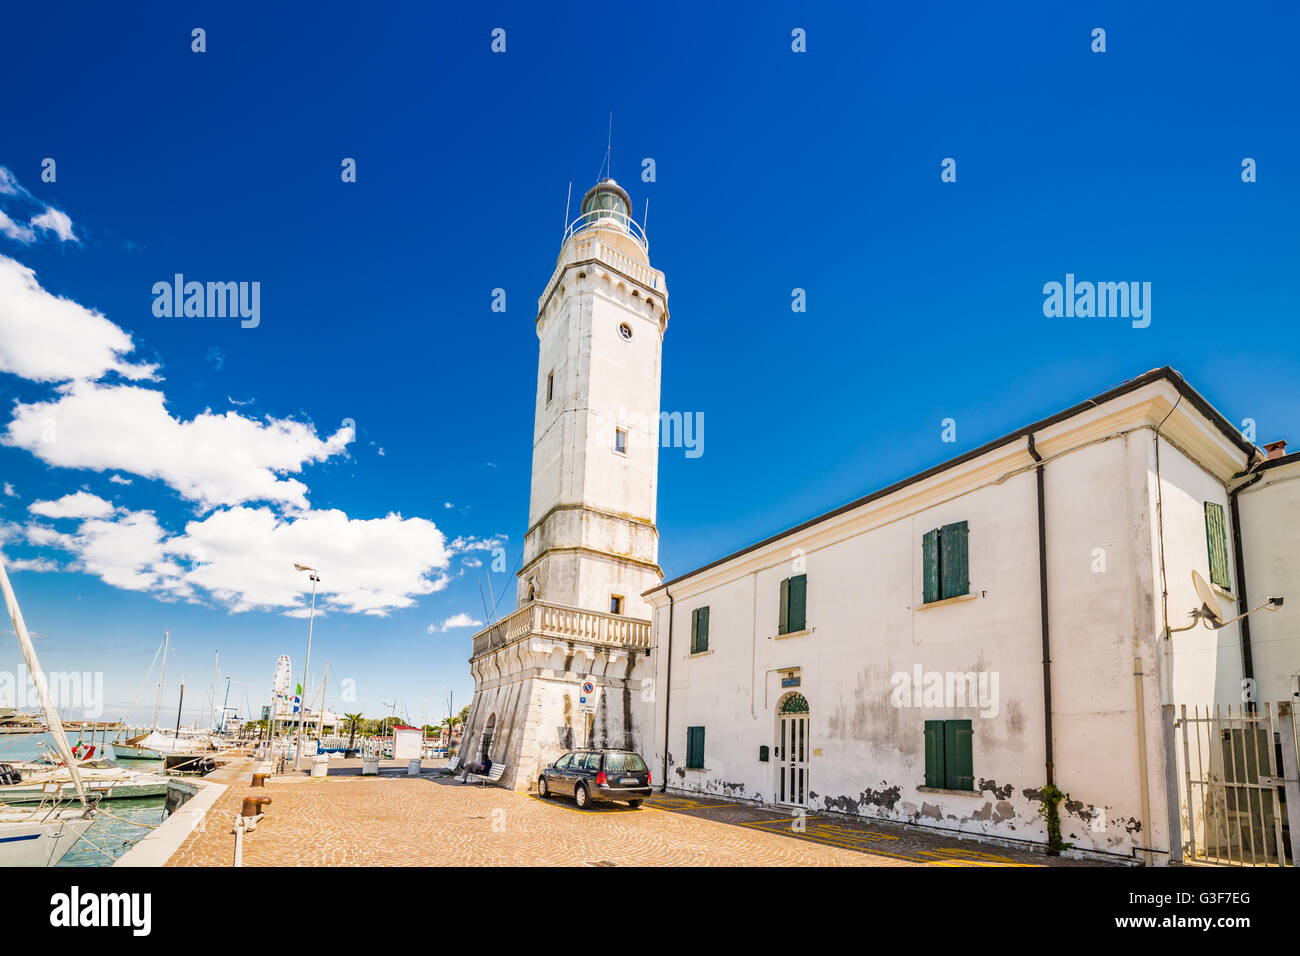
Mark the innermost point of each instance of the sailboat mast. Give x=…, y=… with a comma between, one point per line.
x=162, y=674
x=52, y=723
x=320, y=727
x=179, y=705
x=212, y=696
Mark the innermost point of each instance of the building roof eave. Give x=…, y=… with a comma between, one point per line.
x=1166, y=373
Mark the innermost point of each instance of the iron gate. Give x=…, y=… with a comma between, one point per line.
x=1235, y=767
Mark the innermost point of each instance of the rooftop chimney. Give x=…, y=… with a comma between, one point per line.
x=1276, y=449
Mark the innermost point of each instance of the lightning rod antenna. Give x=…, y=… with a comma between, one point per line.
x=568, y=202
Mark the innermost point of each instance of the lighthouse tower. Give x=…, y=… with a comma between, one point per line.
x=566, y=668
x=591, y=540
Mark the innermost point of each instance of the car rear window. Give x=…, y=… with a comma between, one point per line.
x=591, y=762
x=624, y=763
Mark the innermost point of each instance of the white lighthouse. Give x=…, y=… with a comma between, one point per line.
x=567, y=668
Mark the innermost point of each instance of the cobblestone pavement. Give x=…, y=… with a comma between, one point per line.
x=395, y=820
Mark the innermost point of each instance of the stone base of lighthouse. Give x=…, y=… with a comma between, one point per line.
x=529, y=674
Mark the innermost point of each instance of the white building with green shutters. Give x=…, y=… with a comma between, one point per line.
x=945, y=651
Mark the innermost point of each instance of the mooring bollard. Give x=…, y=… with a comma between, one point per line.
x=253, y=806
x=259, y=780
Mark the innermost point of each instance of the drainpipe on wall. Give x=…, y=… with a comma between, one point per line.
x=1042, y=603
x=1238, y=558
x=668, y=683
x=1164, y=648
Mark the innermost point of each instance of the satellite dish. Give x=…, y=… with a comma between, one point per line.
x=1210, y=609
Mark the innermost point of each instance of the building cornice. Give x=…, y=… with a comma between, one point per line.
x=629, y=519
x=592, y=253
x=579, y=549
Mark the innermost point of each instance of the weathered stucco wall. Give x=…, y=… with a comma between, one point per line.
x=867, y=625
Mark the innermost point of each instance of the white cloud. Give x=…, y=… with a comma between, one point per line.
x=239, y=556
x=471, y=543
x=78, y=505
x=9, y=491
x=456, y=620
x=242, y=558
x=213, y=459
x=15, y=230
x=55, y=221
x=48, y=219
x=127, y=552
x=47, y=338
x=31, y=564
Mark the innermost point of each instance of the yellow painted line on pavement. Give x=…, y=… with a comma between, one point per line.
x=826, y=833
x=944, y=856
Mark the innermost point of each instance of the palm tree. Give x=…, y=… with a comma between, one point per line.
x=353, y=719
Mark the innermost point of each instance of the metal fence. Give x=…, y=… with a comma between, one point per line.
x=1236, y=767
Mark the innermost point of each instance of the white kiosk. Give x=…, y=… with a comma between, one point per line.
x=406, y=742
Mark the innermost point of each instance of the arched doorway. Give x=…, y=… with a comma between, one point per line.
x=792, y=750
x=485, y=746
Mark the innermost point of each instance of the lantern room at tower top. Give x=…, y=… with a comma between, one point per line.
x=607, y=207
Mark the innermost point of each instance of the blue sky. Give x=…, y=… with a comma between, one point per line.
x=775, y=170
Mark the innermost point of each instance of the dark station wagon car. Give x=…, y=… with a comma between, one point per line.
x=591, y=776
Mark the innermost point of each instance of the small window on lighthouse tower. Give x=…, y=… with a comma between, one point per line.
x=625, y=330
x=550, y=386
x=620, y=440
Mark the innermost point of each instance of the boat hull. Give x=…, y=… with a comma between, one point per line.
x=154, y=786
x=135, y=753
x=40, y=843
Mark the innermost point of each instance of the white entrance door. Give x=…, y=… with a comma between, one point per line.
x=792, y=761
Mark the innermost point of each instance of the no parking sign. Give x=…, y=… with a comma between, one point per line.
x=587, y=699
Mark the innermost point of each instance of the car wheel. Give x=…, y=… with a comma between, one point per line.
x=581, y=797
x=634, y=804
x=543, y=790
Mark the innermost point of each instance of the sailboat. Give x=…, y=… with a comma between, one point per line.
x=36, y=781
x=156, y=744
x=41, y=836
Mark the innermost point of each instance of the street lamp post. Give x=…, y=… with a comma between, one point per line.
x=302, y=704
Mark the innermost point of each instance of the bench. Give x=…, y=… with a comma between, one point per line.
x=492, y=776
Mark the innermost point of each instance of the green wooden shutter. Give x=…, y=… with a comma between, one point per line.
x=695, y=748
x=1216, y=537
x=695, y=631
x=934, y=753
x=783, y=625
x=797, y=619
x=958, y=757
x=930, y=566
x=953, y=564
x=704, y=628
